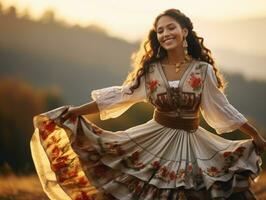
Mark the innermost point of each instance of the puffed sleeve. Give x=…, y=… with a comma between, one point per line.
x=113, y=101
x=216, y=109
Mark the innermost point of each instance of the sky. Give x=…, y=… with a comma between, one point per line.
x=131, y=20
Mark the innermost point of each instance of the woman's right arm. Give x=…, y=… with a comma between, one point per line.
x=87, y=108
x=110, y=102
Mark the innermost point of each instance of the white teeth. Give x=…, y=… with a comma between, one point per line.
x=168, y=39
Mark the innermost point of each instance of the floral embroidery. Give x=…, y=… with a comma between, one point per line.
x=155, y=164
x=96, y=129
x=114, y=148
x=67, y=173
x=64, y=163
x=195, y=82
x=164, y=173
x=133, y=162
x=230, y=157
x=198, y=177
x=55, y=152
x=46, y=128
x=153, y=85
x=84, y=196
x=213, y=171
x=190, y=167
x=82, y=181
x=52, y=141
x=136, y=186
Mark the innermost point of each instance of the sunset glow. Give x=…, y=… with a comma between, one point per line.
x=132, y=19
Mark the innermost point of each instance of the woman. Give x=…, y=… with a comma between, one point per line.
x=168, y=157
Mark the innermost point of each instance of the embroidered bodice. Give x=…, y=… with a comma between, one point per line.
x=195, y=91
x=178, y=97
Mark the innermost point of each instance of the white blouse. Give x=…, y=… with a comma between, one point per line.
x=215, y=108
x=113, y=101
x=174, y=83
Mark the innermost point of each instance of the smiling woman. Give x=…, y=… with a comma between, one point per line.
x=169, y=157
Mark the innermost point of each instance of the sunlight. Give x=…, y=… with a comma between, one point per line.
x=132, y=19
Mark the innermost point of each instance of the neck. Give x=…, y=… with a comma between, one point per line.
x=175, y=55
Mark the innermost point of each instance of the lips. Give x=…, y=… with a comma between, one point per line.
x=168, y=40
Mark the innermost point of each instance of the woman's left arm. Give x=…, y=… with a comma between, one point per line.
x=221, y=115
x=250, y=130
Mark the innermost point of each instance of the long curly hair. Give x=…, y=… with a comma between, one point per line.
x=149, y=48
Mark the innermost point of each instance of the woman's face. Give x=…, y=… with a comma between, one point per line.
x=169, y=33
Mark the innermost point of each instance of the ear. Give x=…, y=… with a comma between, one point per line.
x=185, y=32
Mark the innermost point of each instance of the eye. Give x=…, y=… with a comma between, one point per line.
x=172, y=28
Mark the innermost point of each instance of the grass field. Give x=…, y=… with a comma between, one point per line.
x=28, y=188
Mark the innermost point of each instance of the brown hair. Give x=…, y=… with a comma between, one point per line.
x=149, y=48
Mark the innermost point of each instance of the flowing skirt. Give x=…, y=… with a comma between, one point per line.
x=78, y=160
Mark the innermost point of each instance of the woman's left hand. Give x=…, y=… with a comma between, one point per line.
x=260, y=143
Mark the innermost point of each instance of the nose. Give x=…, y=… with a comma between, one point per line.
x=165, y=33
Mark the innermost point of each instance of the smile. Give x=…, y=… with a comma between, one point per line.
x=168, y=39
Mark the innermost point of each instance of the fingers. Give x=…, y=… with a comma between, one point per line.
x=258, y=148
x=65, y=117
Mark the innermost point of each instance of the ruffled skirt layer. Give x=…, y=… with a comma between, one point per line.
x=78, y=160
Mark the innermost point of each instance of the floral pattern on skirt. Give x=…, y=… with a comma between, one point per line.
x=78, y=160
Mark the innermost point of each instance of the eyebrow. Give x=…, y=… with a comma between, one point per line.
x=166, y=25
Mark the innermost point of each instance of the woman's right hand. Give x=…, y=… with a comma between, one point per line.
x=70, y=113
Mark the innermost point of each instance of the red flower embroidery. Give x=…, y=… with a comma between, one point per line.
x=83, y=196
x=96, y=129
x=213, y=171
x=50, y=127
x=62, y=158
x=46, y=128
x=164, y=171
x=139, y=165
x=240, y=150
x=55, y=152
x=135, y=156
x=153, y=84
x=114, y=147
x=132, y=161
x=57, y=166
x=73, y=172
x=172, y=175
x=82, y=181
x=138, y=186
x=189, y=168
x=227, y=153
x=195, y=82
x=156, y=164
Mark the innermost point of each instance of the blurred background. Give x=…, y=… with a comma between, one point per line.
x=53, y=53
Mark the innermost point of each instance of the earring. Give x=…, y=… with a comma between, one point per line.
x=158, y=52
x=185, y=45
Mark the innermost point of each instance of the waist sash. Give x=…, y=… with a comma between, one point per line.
x=187, y=124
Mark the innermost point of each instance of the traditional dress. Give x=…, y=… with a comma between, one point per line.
x=169, y=157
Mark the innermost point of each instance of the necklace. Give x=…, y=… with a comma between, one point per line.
x=179, y=64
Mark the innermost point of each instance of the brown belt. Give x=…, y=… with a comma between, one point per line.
x=187, y=124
